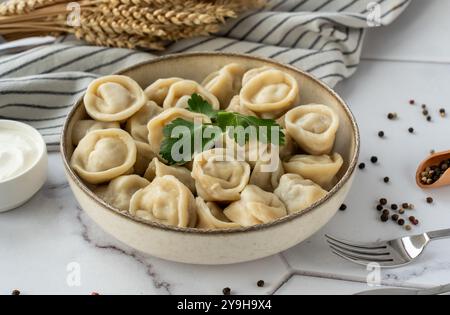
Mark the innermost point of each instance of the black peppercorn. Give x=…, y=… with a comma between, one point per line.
x=15, y=292
x=343, y=207
x=401, y=222
x=374, y=159
x=383, y=201
x=392, y=116
x=226, y=291
x=384, y=218
x=430, y=200
x=379, y=207
x=260, y=283
x=395, y=217
x=405, y=205
x=362, y=166
x=394, y=206
x=412, y=102
x=442, y=112
x=425, y=112
x=429, y=118
x=386, y=179
x=381, y=134
x=386, y=212
x=411, y=130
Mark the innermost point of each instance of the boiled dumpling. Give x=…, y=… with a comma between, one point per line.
x=180, y=92
x=266, y=176
x=83, y=127
x=143, y=158
x=103, y=155
x=166, y=200
x=236, y=107
x=313, y=127
x=270, y=93
x=253, y=73
x=159, y=169
x=225, y=83
x=298, y=193
x=157, y=92
x=210, y=216
x=119, y=191
x=157, y=124
x=255, y=207
x=219, y=176
x=137, y=124
x=320, y=169
x=114, y=98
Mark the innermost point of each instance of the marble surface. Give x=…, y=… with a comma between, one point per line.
x=49, y=246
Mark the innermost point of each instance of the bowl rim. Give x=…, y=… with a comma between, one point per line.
x=205, y=232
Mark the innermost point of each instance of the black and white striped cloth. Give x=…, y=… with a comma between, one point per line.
x=323, y=37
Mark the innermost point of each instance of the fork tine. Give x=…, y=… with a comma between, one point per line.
x=358, y=250
x=355, y=261
x=357, y=245
x=361, y=257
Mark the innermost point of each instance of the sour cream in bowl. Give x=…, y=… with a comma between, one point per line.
x=23, y=163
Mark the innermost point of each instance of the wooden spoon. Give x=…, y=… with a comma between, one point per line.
x=434, y=159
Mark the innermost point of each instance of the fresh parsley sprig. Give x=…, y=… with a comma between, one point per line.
x=221, y=121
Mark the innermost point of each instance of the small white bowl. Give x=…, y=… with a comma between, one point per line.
x=16, y=191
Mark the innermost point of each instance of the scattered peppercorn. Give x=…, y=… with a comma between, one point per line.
x=408, y=227
x=362, y=166
x=394, y=207
x=392, y=116
x=405, y=205
x=374, y=159
x=386, y=179
x=379, y=207
x=343, y=207
x=424, y=106
x=381, y=134
x=428, y=118
x=226, y=291
x=401, y=222
x=386, y=212
x=416, y=222
x=411, y=206
x=412, y=219
x=425, y=112
x=412, y=102
x=395, y=217
x=384, y=218
x=401, y=211
x=430, y=200
x=260, y=283
x=383, y=201
x=95, y=293
x=411, y=130
x=432, y=152
x=15, y=292
x=442, y=112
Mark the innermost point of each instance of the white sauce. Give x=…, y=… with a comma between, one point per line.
x=18, y=153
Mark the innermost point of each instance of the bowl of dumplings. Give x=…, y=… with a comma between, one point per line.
x=212, y=206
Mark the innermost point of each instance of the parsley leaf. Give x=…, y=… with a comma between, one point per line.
x=180, y=134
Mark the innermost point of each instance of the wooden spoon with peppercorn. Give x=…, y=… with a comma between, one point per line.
x=434, y=172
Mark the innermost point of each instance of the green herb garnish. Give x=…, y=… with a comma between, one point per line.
x=237, y=125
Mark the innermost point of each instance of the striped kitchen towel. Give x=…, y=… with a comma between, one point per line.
x=323, y=37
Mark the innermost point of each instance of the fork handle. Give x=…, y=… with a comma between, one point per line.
x=441, y=234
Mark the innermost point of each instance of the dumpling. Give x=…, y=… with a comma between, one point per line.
x=180, y=92
x=137, y=124
x=83, y=127
x=265, y=177
x=290, y=147
x=119, y=191
x=313, y=127
x=210, y=216
x=225, y=83
x=166, y=200
x=236, y=107
x=159, y=169
x=255, y=207
x=157, y=92
x=144, y=157
x=219, y=176
x=103, y=155
x=298, y=193
x=320, y=169
x=270, y=93
x=114, y=98
x=157, y=124
x=253, y=73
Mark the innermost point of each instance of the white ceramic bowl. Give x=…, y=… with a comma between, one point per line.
x=15, y=191
x=230, y=246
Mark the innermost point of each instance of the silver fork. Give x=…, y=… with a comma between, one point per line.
x=388, y=254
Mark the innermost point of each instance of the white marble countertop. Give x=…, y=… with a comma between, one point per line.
x=45, y=241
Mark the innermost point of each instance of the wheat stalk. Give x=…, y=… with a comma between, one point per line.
x=121, y=23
